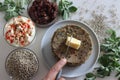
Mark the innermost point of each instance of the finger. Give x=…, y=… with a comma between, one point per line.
x=55, y=69
x=62, y=79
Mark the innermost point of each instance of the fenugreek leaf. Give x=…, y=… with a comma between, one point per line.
x=117, y=74
x=68, y=3
x=12, y=8
x=65, y=8
x=72, y=9
x=103, y=71
x=113, y=33
x=90, y=76
x=65, y=15
x=110, y=60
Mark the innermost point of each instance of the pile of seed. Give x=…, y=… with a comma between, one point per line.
x=21, y=64
x=99, y=18
x=98, y=24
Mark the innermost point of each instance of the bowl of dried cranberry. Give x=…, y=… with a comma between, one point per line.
x=43, y=12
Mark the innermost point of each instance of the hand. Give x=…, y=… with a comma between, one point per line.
x=51, y=75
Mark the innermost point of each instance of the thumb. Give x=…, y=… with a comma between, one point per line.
x=55, y=69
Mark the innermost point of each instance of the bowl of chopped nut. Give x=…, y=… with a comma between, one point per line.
x=22, y=64
x=19, y=31
x=43, y=12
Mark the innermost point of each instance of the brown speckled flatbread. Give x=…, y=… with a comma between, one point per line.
x=74, y=57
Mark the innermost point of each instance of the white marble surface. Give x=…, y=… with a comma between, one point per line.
x=85, y=8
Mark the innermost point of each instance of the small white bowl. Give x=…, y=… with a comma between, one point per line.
x=15, y=40
x=43, y=25
x=17, y=61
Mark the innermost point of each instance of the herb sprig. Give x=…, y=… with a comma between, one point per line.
x=12, y=8
x=110, y=61
x=65, y=8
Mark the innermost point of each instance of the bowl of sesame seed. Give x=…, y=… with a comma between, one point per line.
x=21, y=64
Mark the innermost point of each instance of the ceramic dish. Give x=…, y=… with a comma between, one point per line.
x=19, y=31
x=24, y=61
x=70, y=71
x=42, y=12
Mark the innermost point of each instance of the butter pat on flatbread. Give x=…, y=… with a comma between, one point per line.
x=73, y=42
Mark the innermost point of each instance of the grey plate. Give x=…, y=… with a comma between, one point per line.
x=70, y=71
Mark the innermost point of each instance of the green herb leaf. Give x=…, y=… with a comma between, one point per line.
x=72, y=9
x=117, y=74
x=60, y=7
x=110, y=60
x=113, y=34
x=90, y=76
x=68, y=3
x=13, y=8
x=65, y=15
x=65, y=8
x=103, y=71
x=3, y=7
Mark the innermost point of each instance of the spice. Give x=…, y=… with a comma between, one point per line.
x=98, y=24
x=110, y=12
x=21, y=64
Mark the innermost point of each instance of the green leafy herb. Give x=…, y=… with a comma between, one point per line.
x=110, y=61
x=90, y=76
x=12, y=8
x=54, y=0
x=65, y=8
x=72, y=9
